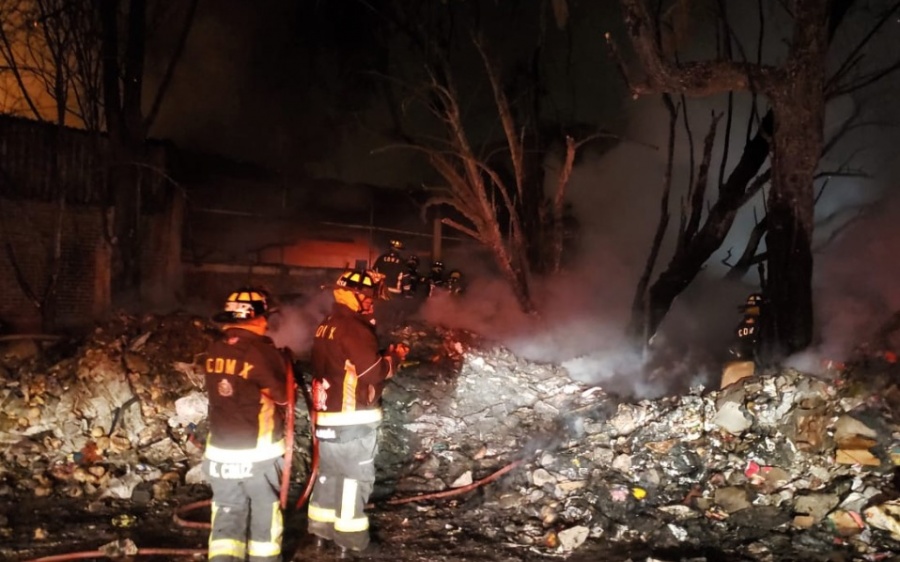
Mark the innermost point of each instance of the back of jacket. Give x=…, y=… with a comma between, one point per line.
x=391, y=266
x=245, y=380
x=348, y=371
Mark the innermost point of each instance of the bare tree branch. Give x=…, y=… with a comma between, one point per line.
x=170, y=68
x=506, y=119
x=831, y=86
x=689, y=78
x=465, y=230
x=699, y=190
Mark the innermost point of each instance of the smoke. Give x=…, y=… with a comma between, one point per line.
x=293, y=324
x=585, y=311
x=856, y=281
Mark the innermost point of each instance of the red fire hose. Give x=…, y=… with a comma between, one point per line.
x=288, y=431
x=192, y=552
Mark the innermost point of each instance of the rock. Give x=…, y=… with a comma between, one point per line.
x=573, y=537
x=464, y=479
x=622, y=463
x=815, y=506
x=732, y=419
x=540, y=477
x=194, y=475
x=122, y=487
x=732, y=498
x=190, y=409
x=721, y=471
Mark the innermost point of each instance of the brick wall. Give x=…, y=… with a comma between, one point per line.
x=28, y=228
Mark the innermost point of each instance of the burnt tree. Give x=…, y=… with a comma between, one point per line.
x=477, y=187
x=494, y=163
x=792, y=134
x=128, y=120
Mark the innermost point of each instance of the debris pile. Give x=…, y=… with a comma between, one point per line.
x=782, y=466
x=777, y=467
x=98, y=422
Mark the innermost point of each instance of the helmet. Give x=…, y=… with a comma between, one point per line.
x=437, y=265
x=357, y=281
x=455, y=274
x=244, y=304
x=413, y=261
x=397, y=244
x=751, y=307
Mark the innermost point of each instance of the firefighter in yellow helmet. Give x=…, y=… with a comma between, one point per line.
x=389, y=269
x=744, y=351
x=349, y=373
x=246, y=381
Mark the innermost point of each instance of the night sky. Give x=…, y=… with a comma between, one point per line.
x=299, y=85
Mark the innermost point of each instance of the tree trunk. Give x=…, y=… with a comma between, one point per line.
x=798, y=143
x=799, y=108
x=124, y=180
x=122, y=83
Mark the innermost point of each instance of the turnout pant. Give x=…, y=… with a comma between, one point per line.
x=246, y=512
x=343, y=485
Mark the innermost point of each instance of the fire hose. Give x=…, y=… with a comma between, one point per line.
x=178, y=516
x=288, y=430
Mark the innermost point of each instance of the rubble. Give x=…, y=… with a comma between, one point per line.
x=94, y=423
x=777, y=466
x=771, y=464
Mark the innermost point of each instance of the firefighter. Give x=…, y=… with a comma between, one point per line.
x=411, y=279
x=436, y=277
x=349, y=373
x=246, y=379
x=455, y=282
x=389, y=269
x=744, y=351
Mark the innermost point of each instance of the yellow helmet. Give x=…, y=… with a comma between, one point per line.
x=244, y=304
x=753, y=304
x=357, y=281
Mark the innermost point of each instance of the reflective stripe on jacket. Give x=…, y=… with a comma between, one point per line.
x=348, y=371
x=245, y=381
